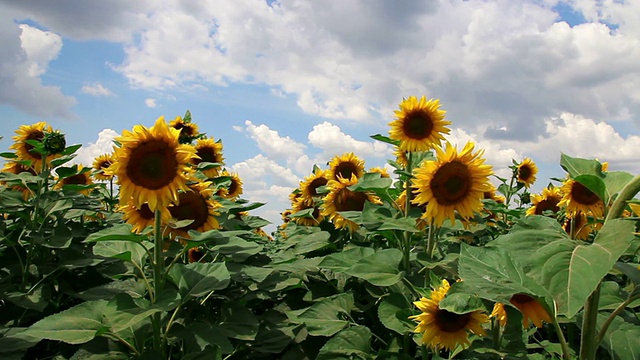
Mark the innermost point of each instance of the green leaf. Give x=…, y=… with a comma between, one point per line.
x=394, y=312
x=343, y=260
x=622, y=339
x=132, y=287
x=123, y=250
x=571, y=270
x=385, y=139
x=325, y=317
x=579, y=166
x=199, y=335
x=380, y=269
x=593, y=183
x=117, y=232
x=615, y=181
x=238, y=322
x=198, y=279
x=348, y=344
x=632, y=271
x=226, y=243
x=9, y=155
x=77, y=325
x=309, y=243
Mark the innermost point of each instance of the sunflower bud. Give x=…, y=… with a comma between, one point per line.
x=54, y=142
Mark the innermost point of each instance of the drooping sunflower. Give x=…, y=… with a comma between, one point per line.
x=188, y=130
x=546, y=201
x=303, y=205
x=380, y=170
x=209, y=151
x=419, y=124
x=531, y=309
x=24, y=151
x=345, y=166
x=401, y=157
x=17, y=168
x=443, y=329
x=198, y=205
x=493, y=195
x=578, y=198
x=341, y=199
x=196, y=255
x=581, y=225
x=526, y=172
x=151, y=165
x=456, y=182
x=499, y=313
x=142, y=217
x=100, y=164
x=234, y=189
x=83, y=177
x=309, y=187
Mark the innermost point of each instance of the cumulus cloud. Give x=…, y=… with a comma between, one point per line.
x=97, y=89
x=271, y=143
x=26, y=53
x=333, y=141
x=150, y=103
x=103, y=145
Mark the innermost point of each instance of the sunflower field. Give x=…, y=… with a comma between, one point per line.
x=152, y=253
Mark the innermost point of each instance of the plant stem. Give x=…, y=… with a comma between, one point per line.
x=158, y=269
x=588, y=344
x=406, y=246
x=566, y=352
x=607, y=323
x=627, y=193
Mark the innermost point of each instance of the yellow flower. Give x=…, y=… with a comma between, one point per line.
x=499, y=313
x=492, y=195
x=456, y=182
x=419, y=124
x=341, y=199
x=195, y=204
x=300, y=205
x=401, y=157
x=141, y=217
x=401, y=201
x=83, y=177
x=17, y=168
x=210, y=151
x=188, y=130
x=530, y=309
x=151, y=165
x=234, y=189
x=196, y=255
x=578, y=197
x=309, y=187
x=581, y=226
x=382, y=171
x=100, y=164
x=443, y=329
x=345, y=166
x=527, y=171
x=548, y=200
x=24, y=150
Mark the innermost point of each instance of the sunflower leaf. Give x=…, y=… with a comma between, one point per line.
x=579, y=166
x=9, y=155
x=324, y=317
x=615, y=181
x=350, y=343
x=380, y=268
x=594, y=184
x=622, y=339
x=385, y=139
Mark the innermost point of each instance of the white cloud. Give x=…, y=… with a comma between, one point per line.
x=333, y=141
x=272, y=144
x=97, y=89
x=41, y=47
x=103, y=145
x=150, y=103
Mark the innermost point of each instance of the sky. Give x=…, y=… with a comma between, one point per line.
x=292, y=83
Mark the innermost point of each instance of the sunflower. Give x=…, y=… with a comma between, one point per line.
x=286, y=215
x=303, y=205
x=499, y=313
x=309, y=187
x=210, y=151
x=345, y=166
x=419, y=124
x=526, y=172
x=198, y=205
x=24, y=151
x=188, y=130
x=456, y=182
x=581, y=225
x=17, y=168
x=83, y=177
x=196, y=255
x=100, y=164
x=401, y=201
x=443, y=329
x=151, y=165
x=235, y=187
x=142, y=217
x=382, y=171
x=341, y=199
x=401, y=157
x=492, y=195
x=530, y=309
x=546, y=201
x=577, y=197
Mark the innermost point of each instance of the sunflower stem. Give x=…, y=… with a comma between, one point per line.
x=607, y=323
x=588, y=345
x=158, y=269
x=627, y=193
x=406, y=246
x=566, y=352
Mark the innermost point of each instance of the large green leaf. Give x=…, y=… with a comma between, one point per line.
x=238, y=322
x=345, y=259
x=614, y=182
x=594, y=184
x=198, y=279
x=77, y=325
x=622, y=339
x=351, y=343
x=123, y=250
x=571, y=270
x=394, y=312
x=116, y=232
x=312, y=242
x=578, y=166
x=326, y=316
x=380, y=268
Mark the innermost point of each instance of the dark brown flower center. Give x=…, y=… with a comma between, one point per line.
x=451, y=322
x=451, y=183
x=524, y=173
x=315, y=184
x=521, y=299
x=348, y=200
x=207, y=154
x=145, y=212
x=582, y=195
x=33, y=135
x=191, y=206
x=345, y=169
x=234, y=186
x=195, y=255
x=417, y=125
x=78, y=179
x=550, y=203
x=152, y=164
x=104, y=164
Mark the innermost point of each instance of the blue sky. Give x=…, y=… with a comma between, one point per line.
x=286, y=84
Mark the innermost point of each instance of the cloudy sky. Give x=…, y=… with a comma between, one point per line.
x=291, y=83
